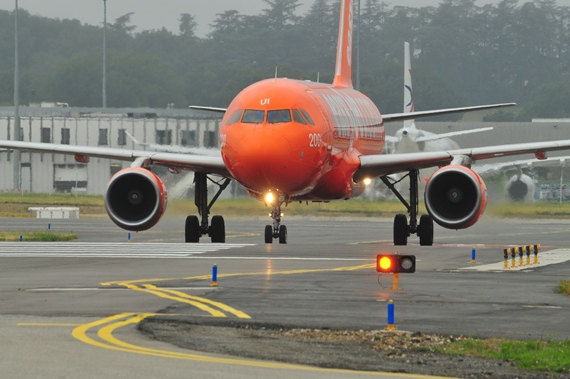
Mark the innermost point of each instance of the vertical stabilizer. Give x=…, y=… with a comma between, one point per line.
x=343, y=67
x=408, y=91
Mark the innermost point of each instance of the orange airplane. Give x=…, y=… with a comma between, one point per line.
x=293, y=140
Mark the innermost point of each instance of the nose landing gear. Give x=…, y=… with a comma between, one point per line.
x=276, y=230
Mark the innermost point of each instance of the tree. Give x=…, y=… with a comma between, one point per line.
x=280, y=14
x=121, y=24
x=187, y=25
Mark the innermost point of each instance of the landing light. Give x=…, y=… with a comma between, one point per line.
x=367, y=181
x=269, y=198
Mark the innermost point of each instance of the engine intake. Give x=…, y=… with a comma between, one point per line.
x=455, y=196
x=135, y=199
x=520, y=188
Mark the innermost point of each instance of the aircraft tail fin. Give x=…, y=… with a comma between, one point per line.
x=408, y=92
x=343, y=67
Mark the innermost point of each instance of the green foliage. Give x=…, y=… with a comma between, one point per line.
x=551, y=356
x=37, y=236
x=564, y=287
x=462, y=54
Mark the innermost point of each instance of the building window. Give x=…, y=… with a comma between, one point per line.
x=188, y=138
x=65, y=136
x=210, y=139
x=46, y=135
x=122, y=140
x=164, y=137
x=115, y=167
x=103, y=137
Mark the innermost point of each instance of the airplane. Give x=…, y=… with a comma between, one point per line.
x=291, y=140
x=521, y=187
x=174, y=148
x=409, y=138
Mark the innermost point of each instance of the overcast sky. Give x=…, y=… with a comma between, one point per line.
x=155, y=14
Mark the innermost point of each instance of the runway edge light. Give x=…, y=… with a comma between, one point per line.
x=395, y=263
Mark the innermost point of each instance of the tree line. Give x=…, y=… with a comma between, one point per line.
x=462, y=54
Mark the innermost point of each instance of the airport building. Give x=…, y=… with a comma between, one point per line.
x=48, y=173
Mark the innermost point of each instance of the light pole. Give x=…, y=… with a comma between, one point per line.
x=358, y=48
x=17, y=136
x=104, y=53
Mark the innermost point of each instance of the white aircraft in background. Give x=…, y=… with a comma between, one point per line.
x=290, y=140
x=521, y=187
x=410, y=139
x=175, y=148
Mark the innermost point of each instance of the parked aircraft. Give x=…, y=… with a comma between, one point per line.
x=174, y=148
x=293, y=140
x=520, y=186
x=411, y=139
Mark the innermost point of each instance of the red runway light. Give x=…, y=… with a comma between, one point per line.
x=395, y=263
x=384, y=263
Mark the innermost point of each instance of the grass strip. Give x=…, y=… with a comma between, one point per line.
x=16, y=205
x=551, y=356
x=564, y=287
x=37, y=236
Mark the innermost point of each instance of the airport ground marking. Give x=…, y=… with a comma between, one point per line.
x=237, y=274
x=204, y=303
x=105, y=329
x=42, y=324
x=198, y=304
x=183, y=295
x=546, y=258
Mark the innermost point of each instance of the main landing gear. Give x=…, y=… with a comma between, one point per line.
x=196, y=228
x=276, y=230
x=402, y=230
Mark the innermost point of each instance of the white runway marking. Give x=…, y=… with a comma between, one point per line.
x=109, y=250
x=545, y=258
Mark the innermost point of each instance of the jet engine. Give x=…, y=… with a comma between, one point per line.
x=135, y=199
x=455, y=196
x=520, y=188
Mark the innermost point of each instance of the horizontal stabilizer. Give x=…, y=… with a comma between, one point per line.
x=438, y=112
x=452, y=134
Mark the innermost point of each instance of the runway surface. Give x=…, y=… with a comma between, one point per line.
x=73, y=307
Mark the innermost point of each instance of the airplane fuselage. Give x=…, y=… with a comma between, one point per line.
x=300, y=139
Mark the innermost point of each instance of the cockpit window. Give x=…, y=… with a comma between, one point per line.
x=309, y=119
x=235, y=116
x=298, y=118
x=251, y=116
x=275, y=117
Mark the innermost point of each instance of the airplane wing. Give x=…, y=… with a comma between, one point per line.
x=192, y=162
x=208, y=109
x=383, y=164
x=438, y=112
x=452, y=134
x=495, y=168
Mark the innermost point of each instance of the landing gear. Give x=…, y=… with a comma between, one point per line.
x=403, y=229
x=195, y=228
x=425, y=230
x=277, y=230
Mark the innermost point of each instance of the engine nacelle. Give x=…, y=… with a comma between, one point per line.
x=455, y=196
x=135, y=199
x=520, y=188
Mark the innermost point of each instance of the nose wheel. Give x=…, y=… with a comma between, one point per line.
x=276, y=231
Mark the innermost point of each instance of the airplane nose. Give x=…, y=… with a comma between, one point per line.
x=275, y=157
